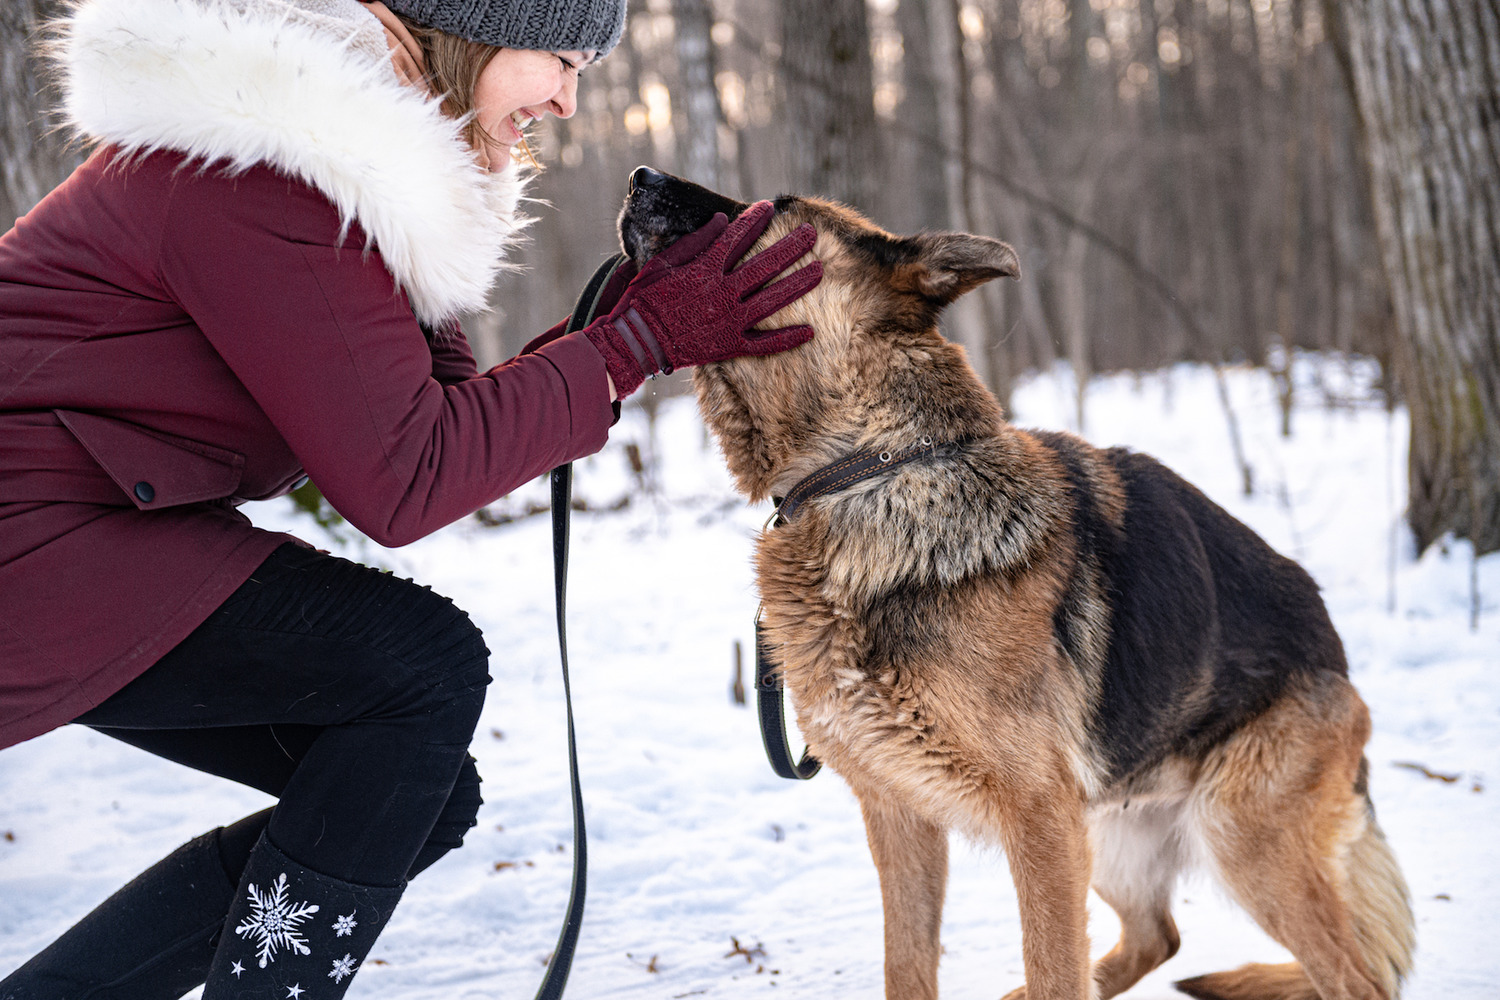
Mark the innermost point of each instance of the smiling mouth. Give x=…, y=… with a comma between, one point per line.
x=519, y=120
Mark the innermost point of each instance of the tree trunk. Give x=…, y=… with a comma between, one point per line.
x=696, y=98
x=965, y=321
x=33, y=157
x=830, y=100
x=921, y=199
x=1425, y=78
x=1289, y=264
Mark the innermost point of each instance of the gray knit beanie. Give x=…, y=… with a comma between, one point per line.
x=552, y=25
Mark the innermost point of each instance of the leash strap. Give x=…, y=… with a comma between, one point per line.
x=561, y=963
x=768, y=699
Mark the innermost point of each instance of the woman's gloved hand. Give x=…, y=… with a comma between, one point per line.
x=687, y=307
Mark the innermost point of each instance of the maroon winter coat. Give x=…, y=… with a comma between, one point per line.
x=173, y=341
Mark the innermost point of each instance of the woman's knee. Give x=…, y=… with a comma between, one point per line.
x=442, y=654
x=455, y=655
x=460, y=814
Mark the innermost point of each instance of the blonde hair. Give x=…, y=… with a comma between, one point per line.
x=453, y=67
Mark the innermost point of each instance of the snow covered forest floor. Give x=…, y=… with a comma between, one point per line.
x=712, y=877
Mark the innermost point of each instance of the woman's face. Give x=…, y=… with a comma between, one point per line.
x=519, y=86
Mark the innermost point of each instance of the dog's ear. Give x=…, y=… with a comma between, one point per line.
x=945, y=265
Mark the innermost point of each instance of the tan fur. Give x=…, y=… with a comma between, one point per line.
x=1282, y=823
x=1257, y=981
x=914, y=616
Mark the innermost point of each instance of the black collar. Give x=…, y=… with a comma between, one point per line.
x=844, y=473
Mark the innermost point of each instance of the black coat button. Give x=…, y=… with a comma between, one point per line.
x=145, y=492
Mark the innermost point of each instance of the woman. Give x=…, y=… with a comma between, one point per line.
x=255, y=277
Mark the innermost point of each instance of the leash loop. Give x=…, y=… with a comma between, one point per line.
x=769, y=688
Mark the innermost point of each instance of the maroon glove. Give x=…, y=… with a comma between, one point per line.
x=687, y=307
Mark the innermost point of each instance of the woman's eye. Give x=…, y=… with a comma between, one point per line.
x=566, y=63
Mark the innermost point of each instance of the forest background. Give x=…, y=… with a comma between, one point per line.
x=1223, y=181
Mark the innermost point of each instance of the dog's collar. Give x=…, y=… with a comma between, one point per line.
x=844, y=473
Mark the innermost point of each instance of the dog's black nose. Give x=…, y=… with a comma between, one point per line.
x=643, y=177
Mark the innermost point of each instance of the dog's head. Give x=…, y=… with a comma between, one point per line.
x=876, y=368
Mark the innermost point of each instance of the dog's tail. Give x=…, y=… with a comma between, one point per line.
x=1252, y=982
x=1379, y=907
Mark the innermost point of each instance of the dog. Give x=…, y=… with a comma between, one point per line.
x=1066, y=651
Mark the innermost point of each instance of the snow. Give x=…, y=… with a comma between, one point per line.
x=712, y=877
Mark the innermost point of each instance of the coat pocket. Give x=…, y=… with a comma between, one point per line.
x=153, y=468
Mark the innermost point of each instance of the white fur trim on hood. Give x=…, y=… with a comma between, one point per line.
x=251, y=81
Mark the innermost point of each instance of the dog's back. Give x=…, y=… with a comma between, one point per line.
x=1208, y=623
x=1224, y=709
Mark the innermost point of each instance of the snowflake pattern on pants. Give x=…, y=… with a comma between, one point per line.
x=344, y=926
x=342, y=967
x=274, y=922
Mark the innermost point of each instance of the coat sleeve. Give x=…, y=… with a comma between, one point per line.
x=452, y=357
x=316, y=330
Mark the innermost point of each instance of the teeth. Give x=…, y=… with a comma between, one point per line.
x=521, y=119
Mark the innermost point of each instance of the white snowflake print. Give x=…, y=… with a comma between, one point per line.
x=295, y=991
x=274, y=922
x=344, y=926
x=342, y=967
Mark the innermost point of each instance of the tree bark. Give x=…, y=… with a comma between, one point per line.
x=830, y=100
x=1427, y=81
x=33, y=156
x=921, y=199
x=695, y=95
x=966, y=321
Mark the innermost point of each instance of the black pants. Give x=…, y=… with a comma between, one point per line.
x=349, y=694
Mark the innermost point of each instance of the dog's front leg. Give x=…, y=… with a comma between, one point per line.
x=911, y=856
x=1046, y=842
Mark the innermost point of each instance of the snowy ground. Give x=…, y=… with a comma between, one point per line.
x=695, y=845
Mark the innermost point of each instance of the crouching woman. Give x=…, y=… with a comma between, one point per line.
x=254, y=277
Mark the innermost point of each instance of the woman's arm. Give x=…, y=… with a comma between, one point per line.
x=452, y=357
x=327, y=346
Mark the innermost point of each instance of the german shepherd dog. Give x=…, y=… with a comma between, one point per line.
x=1063, y=650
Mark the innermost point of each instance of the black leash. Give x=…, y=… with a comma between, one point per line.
x=769, y=684
x=769, y=688
x=561, y=962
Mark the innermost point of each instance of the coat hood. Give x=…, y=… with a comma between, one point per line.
x=305, y=88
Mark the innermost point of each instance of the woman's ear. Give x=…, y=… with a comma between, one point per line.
x=946, y=265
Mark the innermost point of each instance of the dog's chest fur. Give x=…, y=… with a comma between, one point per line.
x=913, y=617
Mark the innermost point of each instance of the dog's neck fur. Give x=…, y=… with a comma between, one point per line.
x=883, y=393
x=777, y=425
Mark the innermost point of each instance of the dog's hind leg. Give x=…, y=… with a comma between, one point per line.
x=1138, y=852
x=911, y=855
x=1283, y=813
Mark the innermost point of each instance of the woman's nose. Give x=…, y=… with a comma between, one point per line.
x=566, y=101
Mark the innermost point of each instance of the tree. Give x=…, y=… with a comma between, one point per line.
x=33, y=156
x=830, y=100
x=926, y=204
x=696, y=98
x=1426, y=75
